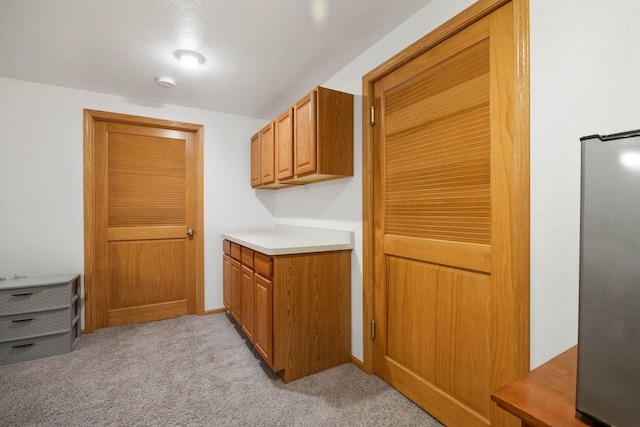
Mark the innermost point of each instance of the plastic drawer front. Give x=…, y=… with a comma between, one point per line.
x=34, y=298
x=35, y=348
x=25, y=325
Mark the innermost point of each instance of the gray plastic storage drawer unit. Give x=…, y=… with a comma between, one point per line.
x=39, y=317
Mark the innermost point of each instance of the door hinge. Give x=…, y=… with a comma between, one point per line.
x=373, y=329
x=373, y=115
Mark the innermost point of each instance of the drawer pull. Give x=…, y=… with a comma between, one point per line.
x=22, y=320
x=22, y=294
x=22, y=345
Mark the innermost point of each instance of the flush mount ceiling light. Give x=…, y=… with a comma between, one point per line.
x=189, y=58
x=166, y=82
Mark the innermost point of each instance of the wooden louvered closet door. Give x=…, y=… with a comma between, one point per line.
x=145, y=205
x=446, y=323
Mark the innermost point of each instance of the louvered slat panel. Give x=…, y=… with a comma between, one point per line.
x=437, y=158
x=147, y=181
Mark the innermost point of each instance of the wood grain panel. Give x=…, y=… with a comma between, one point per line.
x=236, y=251
x=248, y=296
x=146, y=180
x=438, y=328
x=264, y=320
x=267, y=155
x=158, y=279
x=284, y=145
x=263, y=264
x=226, y=281
x=148, y=313
x=509, y=298
x=334, y=133
x=236, y=290
x=546, y=396
x=247, y=257
x=312, y=292
x=305, y=134
x=100, y=298
x=255, y=160
x=470, y=256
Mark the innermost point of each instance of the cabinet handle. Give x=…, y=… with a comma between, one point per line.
x=22, y=320
x=22, y=345
x=22, y=294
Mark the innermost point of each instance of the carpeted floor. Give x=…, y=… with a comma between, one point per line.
x=191, y=371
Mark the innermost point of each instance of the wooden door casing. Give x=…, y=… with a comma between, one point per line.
x=143, y=190
x=450, y=262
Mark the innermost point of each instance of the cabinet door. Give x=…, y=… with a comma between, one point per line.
x=284, y=145
x=236, y=290
x=263, y=333
x=305, y=135
x=248, y=292
x=255, y=160
x=226, y=281
x=267, y=157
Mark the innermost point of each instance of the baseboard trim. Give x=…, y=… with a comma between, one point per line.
x=215, y=311
x=357, y=362
x=205, y=313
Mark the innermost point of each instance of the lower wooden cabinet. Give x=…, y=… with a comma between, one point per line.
x=248, y=296
x=264, y=318
x=236, y=290
x=295, y=309
x=226, y=274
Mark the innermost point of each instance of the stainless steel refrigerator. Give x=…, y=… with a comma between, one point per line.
x=608, y=388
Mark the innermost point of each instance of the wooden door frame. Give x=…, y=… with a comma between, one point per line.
x=521, y=137
x=90, y=240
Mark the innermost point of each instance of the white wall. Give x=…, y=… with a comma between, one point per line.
x=585, y=57
x=41, y=169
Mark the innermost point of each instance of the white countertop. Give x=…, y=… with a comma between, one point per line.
x=289, y=239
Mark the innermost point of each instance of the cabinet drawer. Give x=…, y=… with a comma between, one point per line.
x=263, y=265
x=26, y=325
x=28, y=299
x=247, y=257
x=235, y=251
x=28, y=349
x=226, y=247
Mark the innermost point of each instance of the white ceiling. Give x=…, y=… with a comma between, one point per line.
x=259, y=53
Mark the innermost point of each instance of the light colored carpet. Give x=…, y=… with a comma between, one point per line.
x=191, y=371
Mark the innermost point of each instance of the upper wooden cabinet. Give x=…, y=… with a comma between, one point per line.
x=255, y=160
x=284, y=145
x=305, y=135
x=267, y=160
x=313, y=141
x=262, y=157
